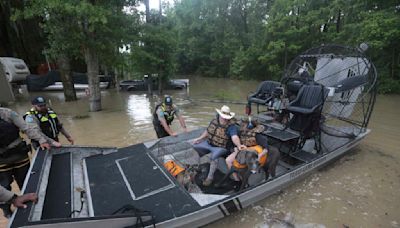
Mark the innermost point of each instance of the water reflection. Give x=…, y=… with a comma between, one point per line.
x=139, y=110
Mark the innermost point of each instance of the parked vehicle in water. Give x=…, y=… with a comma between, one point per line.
x=118, y=187
x=52, y=81
x=142, y=85
x=15, y=69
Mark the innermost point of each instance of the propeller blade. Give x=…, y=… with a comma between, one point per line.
x=350, y=83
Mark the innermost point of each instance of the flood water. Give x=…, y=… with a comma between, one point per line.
x=361, y=189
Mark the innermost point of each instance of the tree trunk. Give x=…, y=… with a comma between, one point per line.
x=66, y=78
x=160, y=82
x=92, y=63
x=116, y=80
x=5, y=40
x=160, y=11
x=393, y=67
x=286, y=54
x=146, y=3
x=338, y=21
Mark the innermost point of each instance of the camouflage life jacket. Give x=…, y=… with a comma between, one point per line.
x=248, y=136
x=217, y=133
x=8, y=133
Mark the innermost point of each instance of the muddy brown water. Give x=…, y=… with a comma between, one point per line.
x=361, y=189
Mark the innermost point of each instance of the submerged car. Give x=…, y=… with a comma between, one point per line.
x=142, y=85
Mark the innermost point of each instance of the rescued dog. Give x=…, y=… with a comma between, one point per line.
x=247, y=163
x=184, y=174
x=187, y=178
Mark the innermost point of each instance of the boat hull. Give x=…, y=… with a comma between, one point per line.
x=205, y=214
x=260, y=192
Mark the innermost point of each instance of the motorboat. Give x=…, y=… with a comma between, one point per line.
x=131, y=187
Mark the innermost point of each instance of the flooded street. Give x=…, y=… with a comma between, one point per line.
x=361, y=189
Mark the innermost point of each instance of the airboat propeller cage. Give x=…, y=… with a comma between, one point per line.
x=351, y=78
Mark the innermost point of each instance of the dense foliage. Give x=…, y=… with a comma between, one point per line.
x=244, y=39
x=256, y=39
x=91, y=30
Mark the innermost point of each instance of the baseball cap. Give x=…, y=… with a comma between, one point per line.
x=38, y=101
x=168, y=100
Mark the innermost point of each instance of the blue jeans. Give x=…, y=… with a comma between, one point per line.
x=204, y=148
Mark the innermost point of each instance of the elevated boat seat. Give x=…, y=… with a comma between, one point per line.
x=263, y=94
x=306, y=110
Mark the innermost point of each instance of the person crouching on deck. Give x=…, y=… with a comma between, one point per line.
x=251, y=136
x=222, y=136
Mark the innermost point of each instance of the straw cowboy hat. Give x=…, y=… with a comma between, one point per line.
x=225, y=112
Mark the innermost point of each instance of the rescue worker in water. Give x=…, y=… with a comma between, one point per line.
x=163, y=115
x=14, y=159
x=47, y=120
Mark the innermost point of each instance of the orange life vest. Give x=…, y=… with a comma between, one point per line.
x=256, y=148
x=173, y=168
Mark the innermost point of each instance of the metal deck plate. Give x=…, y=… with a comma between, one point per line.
x=57, y=203
x=282, y=135
x=304, y=156
x=132, y=176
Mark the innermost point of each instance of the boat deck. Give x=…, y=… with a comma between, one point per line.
x=88, y=182
x=132, y=176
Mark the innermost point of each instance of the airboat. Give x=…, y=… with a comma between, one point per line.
x=331, y=93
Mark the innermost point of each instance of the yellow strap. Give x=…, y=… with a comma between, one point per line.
x=16, y=165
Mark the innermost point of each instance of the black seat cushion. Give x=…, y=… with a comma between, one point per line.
x=263, y=93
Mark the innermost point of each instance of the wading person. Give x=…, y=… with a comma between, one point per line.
x=163, y=115
x=47, y=120
x=221, y=137
x=14, y=159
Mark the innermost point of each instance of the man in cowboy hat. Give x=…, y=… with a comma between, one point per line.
x=222, y=137
x=163, y=115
